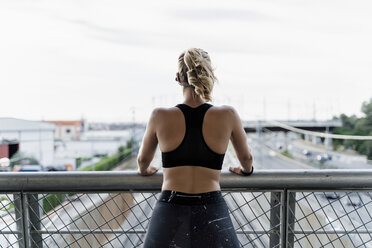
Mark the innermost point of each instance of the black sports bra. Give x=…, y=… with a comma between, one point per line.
x=193, y=150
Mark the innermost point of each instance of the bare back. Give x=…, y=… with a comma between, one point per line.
x=170, y=130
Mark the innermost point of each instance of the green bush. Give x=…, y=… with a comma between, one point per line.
x=5, y=204
x=80, y=160
x=21, y=158
x=52, y=201
x=287, y=154
x=108, y=163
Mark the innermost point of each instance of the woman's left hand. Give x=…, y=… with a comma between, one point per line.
x=236, y=170
x=149, y=171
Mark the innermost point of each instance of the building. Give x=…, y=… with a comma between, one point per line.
x=68, y=130
x=35, y=138
x=8, y=148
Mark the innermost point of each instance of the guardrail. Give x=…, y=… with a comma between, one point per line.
x=286, y=208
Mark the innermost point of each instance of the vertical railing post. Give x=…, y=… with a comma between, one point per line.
x=291, y=218
x=288, y=218
x=19, y=219
x=35, y=225
x=26, y=223
x=283, y=220
x=275, y=214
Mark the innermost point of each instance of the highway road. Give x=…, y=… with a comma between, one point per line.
x=296, y=147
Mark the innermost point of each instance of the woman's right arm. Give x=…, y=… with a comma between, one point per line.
x=148, y=147
x=239, y=140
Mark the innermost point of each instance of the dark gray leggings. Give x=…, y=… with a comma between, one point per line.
x=191, y=220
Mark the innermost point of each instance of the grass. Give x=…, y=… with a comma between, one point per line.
x=287, y=154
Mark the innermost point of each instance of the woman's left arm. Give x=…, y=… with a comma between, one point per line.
x=148, y=147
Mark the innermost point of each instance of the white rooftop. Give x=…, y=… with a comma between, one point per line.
x=13, y=124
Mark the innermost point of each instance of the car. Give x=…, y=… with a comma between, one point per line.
x=4, y=164
x=324, y=157
x=55, y=168
x=321, y=158
x=331, y=195
x=306, y=153
x=354, y=202
x=328, y=156
x=279, y=146
x=28, y=168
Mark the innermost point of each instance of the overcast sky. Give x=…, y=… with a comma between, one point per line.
x=104, y=59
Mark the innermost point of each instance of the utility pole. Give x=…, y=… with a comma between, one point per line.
x=326, y=140
x=40, y=148
x=134, y=140
x=259, y=138
x=314, y=111
x=92, y=152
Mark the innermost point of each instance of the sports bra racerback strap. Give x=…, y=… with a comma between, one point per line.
x=193, y=150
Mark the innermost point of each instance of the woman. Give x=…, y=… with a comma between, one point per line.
x=193, y=139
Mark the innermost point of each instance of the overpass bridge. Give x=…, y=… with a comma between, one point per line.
x=311, y=125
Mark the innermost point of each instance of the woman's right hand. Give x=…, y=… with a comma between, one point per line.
x=149, y=171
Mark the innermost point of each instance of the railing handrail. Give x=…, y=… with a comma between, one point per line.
x=130, y=180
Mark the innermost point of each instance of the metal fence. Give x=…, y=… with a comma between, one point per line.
x=326, y=208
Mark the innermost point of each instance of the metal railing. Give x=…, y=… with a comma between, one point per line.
x=309, y=208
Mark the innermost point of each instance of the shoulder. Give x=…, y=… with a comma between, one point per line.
x=160, y=113
x=163, y=111
x=225, y=110
x=225, y=114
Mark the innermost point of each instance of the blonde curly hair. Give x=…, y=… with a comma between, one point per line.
x=195, y=68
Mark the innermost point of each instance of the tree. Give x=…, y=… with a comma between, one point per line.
x=367, y=110
x=357, y=126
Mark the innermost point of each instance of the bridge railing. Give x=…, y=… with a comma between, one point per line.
x=314, y=208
